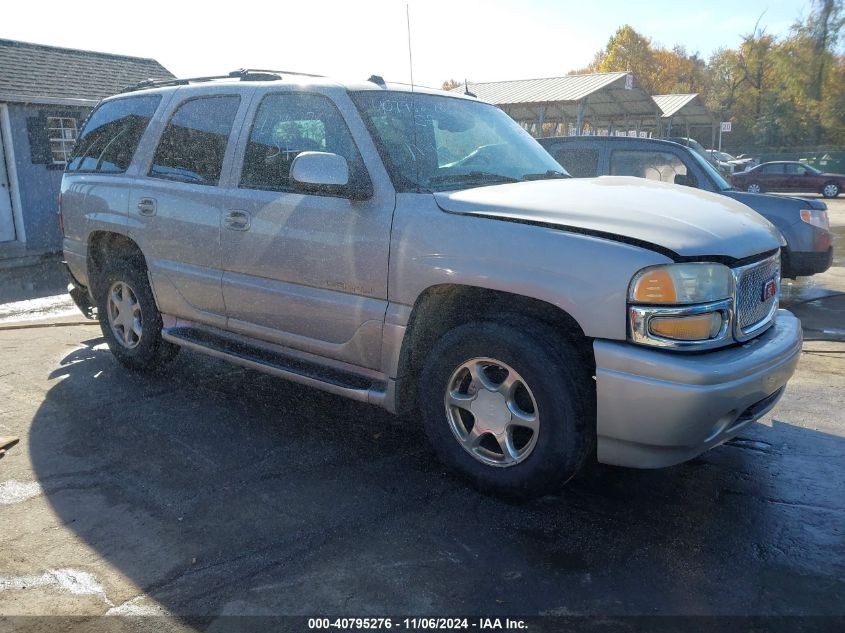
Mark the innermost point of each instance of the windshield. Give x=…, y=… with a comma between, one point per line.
x=437, y=143
x=714, y=175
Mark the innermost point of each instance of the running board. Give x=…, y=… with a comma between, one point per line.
x=347, y=384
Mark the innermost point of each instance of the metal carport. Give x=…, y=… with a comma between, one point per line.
x=573, y=103
x=681, y=112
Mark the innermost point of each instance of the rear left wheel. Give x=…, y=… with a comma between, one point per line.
x=129, y=317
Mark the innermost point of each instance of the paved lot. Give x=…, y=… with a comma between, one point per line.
x=179, y=494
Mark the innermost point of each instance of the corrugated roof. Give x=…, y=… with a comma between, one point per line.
x=569, y=88
x=670, y=104
x=608, y=99
x=684, y=108
x=47, y=74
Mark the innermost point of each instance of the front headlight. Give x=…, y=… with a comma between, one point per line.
x=679, y=284
x=816, y=217
x=681, y=305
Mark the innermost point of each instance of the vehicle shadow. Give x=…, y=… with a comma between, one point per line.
x=221, y=491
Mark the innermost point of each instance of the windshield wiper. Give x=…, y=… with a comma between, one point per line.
x=546, y=175
x=473, y=176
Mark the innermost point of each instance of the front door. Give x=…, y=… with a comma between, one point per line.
x=305, y=271
x=7, y=222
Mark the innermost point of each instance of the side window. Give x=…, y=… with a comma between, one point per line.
x=193, y=144
x=112, y=133
x=284, y=126
x=580, y=163
x=795, y=170
x=648, y=164
x=61, y=133
x=772, y=170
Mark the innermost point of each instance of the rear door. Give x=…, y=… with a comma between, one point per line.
x=651, y=164
x=771, y=177
x=176, y=202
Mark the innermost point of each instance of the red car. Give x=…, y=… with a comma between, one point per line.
x=788, y=176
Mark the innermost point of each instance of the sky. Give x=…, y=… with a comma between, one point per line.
x=478, y=41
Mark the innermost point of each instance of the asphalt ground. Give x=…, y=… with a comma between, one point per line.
x=215, y=491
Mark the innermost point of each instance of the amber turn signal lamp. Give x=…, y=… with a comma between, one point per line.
x=656, y=286
x=687, y=328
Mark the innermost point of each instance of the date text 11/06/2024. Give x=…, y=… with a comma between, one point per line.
x=430, y=624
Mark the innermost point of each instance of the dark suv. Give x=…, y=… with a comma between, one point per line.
x=807, y=242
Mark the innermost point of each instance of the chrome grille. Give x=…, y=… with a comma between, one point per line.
x=752, y=312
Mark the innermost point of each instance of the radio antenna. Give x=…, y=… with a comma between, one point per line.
x=410, y=56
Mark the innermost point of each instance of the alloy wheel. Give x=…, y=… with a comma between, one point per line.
x=124, y=315
x=492, y=412
x=754, y=188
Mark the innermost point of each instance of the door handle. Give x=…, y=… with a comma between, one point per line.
x=147, y=206
x=237, y=220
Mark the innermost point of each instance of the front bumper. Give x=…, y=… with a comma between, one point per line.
x=658, y=408
x=799, y=264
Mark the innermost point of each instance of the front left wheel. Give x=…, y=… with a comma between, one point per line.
x=510, y=406
x=129, y=317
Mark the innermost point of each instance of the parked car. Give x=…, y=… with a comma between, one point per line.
x=803, y=223
x=722, y=166
x=735, y=163
x=313, y=230
x=719, y=162
x=789, y=176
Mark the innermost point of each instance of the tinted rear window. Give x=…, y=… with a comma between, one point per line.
x=193, y=144
x=112, y=134
x=580, y=163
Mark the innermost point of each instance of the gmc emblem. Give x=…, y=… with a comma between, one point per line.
x=770, y=289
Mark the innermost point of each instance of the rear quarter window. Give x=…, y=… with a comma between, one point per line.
x=111, y=135
x=579, y=162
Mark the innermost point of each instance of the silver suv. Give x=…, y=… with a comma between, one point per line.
x=418, y=250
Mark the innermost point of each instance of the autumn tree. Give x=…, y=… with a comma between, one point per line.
x=778, y=91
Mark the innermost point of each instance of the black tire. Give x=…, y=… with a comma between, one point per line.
x=151, y=352
x=830, y=189
x=560, y=382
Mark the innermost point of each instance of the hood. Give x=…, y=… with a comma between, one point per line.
x=686, y=222
x=762, y=202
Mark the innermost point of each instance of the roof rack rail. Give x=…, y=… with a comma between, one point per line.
x=243, y=74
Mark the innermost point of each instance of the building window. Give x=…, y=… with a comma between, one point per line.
x=61, y=132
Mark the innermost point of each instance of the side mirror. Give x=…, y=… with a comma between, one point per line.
x=315, y=171
x=328, y=174
x=683, y=179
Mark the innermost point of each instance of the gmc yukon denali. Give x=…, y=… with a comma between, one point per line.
x=419, y=251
